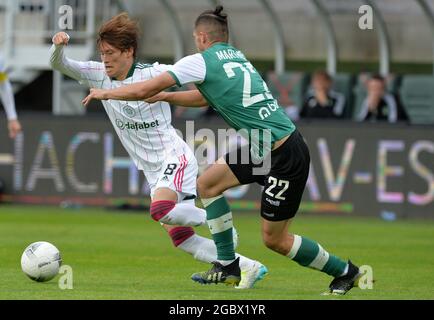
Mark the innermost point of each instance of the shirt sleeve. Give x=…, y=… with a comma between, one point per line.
x=364, y=111
x=7, y=99
x=158, y=68
x=191, y=69
x=339, y=104
x=89, y=73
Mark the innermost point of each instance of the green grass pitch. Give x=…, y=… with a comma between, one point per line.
x=128, y=256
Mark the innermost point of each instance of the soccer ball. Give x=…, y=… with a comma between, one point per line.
x=41, y=261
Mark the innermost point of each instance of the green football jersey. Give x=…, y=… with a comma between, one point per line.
x=235, y=89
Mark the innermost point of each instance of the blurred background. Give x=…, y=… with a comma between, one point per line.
x=355, y=76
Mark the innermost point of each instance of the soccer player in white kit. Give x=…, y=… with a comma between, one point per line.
x=147, y=134
x=7, y=99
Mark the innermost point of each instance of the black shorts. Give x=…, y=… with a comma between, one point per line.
x=284, y=181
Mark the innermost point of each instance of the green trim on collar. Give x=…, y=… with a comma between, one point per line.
x=130, y=72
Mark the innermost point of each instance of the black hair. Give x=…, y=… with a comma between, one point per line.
x=216, y=19
x=378, y=77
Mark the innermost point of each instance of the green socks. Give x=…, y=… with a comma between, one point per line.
x=305, y=252
x=219, y=218
x=310, y=254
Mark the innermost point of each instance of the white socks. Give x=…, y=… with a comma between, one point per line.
x=204, y=250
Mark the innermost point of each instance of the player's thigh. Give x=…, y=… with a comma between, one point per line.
x=234, y=169
x=285, y=184
x=216, y=179
x=281, y=197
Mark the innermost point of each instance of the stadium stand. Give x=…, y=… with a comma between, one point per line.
x=27, y=30
x=288, y=88
x=417, y=95
x=343, y=83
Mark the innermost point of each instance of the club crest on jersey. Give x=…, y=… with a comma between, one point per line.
x=129, y=111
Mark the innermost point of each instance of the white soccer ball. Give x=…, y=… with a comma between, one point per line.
x=41, y=261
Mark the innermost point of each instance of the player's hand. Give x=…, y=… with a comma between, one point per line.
x=162, y=96
x=61, y=38
x=14, y=127
x=97, y=94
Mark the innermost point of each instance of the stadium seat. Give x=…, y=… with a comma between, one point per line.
x=289, y=88
x=360, y=94
x=417, y=95
x=343, y=83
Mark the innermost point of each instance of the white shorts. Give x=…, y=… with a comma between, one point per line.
x=178, y=173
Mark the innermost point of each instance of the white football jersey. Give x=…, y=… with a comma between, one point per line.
x=145, y=130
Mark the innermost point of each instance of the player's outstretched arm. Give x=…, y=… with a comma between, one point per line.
x=192, y=98
x=7, y=98
x=86, y=72
x=58, y=61
x=133, y=92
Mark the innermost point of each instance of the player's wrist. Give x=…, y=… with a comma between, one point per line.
x=166, y=96
x=105, y=95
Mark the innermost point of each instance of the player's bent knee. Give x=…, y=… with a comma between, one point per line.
x=202, y=186
x=272, y=242
x=180, y=234
x=207, y=190
x=160, y=209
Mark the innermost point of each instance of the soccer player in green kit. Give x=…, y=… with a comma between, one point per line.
x=229, y=83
